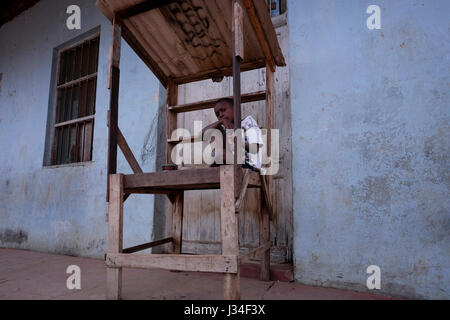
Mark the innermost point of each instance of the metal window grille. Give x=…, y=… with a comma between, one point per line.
x=75, y=102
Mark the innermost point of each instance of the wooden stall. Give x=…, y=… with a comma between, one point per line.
x=186, y=41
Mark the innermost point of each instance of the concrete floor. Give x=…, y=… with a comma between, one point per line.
x=36, y=275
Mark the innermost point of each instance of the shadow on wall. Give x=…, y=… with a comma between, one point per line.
x=9, y=236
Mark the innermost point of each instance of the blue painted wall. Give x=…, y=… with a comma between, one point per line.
x=63, y=209
x=371, y=111
x=370, y=119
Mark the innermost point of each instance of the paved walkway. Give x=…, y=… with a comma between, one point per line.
x=36, y=275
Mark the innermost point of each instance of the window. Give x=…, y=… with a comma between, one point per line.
x=277, y=7
x=76, y=83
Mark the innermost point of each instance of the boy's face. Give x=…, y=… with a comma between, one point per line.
x=224, y=112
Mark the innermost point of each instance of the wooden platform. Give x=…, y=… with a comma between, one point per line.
x=178, y=180
x=174, y=183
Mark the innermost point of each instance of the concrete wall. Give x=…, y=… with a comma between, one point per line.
x=370, y=122
x=371, y=137
x=63, y=209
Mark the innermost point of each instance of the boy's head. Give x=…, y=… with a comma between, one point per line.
x=224, y=111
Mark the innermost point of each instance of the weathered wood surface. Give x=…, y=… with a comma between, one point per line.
x=114, y=75
x=192, y=179
x=264, y=237
x=171, y=117
x=229, y=230
x=128, y=154
x=200, y=263
x=190, y=39
x=201, y=231
x=254, y=253
x=177, y=222
x=115, y=235
x=147, y=245
x=210, y=103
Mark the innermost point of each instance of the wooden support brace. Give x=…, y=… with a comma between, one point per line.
x=177, y=222
x=264, y=238
x=254, y=253
x=129, y=156
x=125, y=148
x=115, y=235
x=178, y=262
x=114, y=101
x=238, y=29
x=171, y=117
x=270, y=106
x=244, y=185
x=266, y=195
x=147, y=245
x=229, y=230
x=237, y=35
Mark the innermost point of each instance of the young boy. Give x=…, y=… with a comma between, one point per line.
x=252, y=134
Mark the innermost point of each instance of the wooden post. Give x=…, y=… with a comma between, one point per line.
x=229, y=230
x=270, y=94
x=115, y=235
x=264, y=237
x=171, y=117
x=177, y=222
x=113, y=81
x=238, y=56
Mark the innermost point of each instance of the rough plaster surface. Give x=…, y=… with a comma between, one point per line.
x=371, y=148
x=63, y=209
x=370, y=115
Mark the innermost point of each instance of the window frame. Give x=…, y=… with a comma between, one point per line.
x=51, y=146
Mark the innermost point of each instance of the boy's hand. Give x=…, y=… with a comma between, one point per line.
x=215, y=125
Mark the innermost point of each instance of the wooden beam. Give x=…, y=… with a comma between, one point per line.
x=196, y=263
x=244, y=185
x=207, y=104
x=229, y=230
x=129, y=156
x=115, y=235
x=222, y=72
x=254, y=253
x=151, y=191
x=142, y=7
x=177, y=222
x=270, y=114
x=256, y=23
x=237, y=29
x=237, y=39
x=114, y=102
x=176, y=179
x=266, y=195
x=264, y=237
x=147, y=245
x=171, y=117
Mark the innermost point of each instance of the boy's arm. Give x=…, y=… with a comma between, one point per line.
x=215, y=125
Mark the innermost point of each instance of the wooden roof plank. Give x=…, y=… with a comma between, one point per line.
x=142, y=7
x=260, y=33
x=191, y=40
